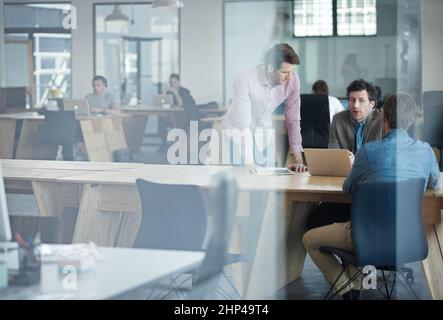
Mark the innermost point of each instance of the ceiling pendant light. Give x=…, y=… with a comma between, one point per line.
x=167, y=4
x=116, y=15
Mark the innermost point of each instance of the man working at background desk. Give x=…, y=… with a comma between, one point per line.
x=350, y=129
x=183, y=99
x=397, y=157
x=101, y=101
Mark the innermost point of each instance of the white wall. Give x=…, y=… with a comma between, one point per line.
x=2, y=47
x=432, y=44
x=202, y=49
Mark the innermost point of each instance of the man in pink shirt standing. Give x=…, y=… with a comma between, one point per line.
x=260, y=90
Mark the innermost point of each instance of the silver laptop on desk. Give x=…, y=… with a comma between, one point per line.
x=163, y=100
x=328, y=162
x=79, y=106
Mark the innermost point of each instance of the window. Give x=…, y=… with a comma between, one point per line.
x=335, y=18
x=142, y=46
x=38, y=50
x=52, y=56
x=313, y=18
x=356, y=17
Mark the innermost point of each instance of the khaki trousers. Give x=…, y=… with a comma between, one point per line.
x=337, y=235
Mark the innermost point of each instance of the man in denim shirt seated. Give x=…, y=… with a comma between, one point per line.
x=396, y=157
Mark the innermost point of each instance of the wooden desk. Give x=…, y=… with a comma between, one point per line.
x=123, y=273
x=102, y=135
x=149, y=111
x=270, y=216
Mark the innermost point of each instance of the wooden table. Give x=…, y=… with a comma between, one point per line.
x=149, y=111
x=270, y=216
x=123, y=273
x=102, y=135
x=135, y=125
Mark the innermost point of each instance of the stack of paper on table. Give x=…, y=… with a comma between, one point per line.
x=80, y=256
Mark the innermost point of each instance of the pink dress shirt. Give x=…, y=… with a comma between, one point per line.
x=255, y=99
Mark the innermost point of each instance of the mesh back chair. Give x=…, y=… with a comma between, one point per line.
x=433, y=113
x=175, y=217
x=316, y=122
x=387, y=230
x=224, y=203
x=59, y=129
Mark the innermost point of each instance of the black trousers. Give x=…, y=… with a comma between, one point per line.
x=328, y=213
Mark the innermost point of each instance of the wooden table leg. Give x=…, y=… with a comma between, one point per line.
x=95, y=140
x=108, y=215
x=114, y=134
x=433, y=265
x=30, y=144
x=7, y=138
x=134, y=128
x=52, y=199
x=279, y=255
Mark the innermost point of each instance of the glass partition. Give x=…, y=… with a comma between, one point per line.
x=141, y=45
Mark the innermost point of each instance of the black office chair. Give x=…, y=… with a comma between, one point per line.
x=59, y=129
x=175, y=217
x=315, y=122
x=433, y=115
x=387, y=232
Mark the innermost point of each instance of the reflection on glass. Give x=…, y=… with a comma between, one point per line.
x=38, y=50
x=356, y=17
x=313, y=18
x=143, y=50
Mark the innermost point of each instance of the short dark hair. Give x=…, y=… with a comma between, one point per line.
x=399, y=111
x=279, y=54
x=320, y=87
x=360, y=85
x=175, y=76
x=100, y=78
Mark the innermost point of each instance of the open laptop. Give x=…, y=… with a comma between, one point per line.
x=328, y=162
x=79, y=106
x=163, y=100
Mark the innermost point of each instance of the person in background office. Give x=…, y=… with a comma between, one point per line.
x=183, y=99
x=350, y=129
x=101, y=101
x=258, y=91
x=335, y=106
x=396, y=157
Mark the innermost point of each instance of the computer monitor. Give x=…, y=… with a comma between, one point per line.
x=13, y=99
x=5, y=226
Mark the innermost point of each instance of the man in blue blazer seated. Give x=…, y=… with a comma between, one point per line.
x=396, y=157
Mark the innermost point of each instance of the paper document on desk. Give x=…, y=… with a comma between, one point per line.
x=271, y=171
x=80, y=256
